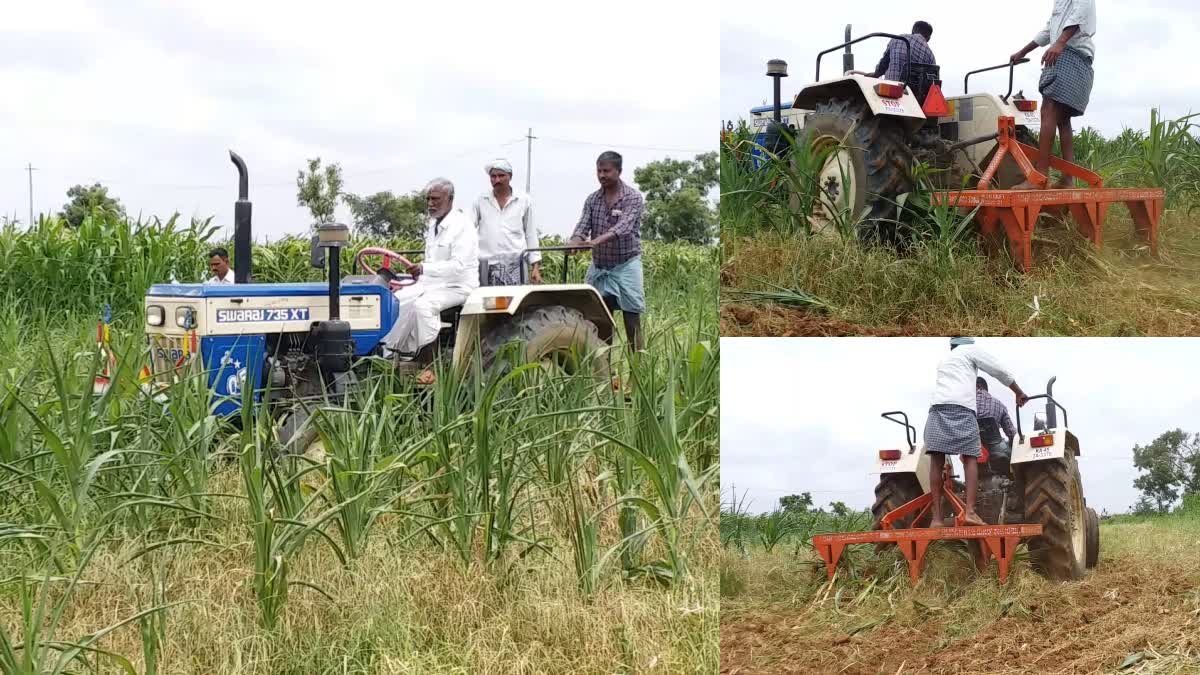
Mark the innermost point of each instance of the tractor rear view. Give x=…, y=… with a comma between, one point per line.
x=868, y=135
x=1036, y=493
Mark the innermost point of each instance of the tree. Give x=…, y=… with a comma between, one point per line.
x=318, y=190
x=676, y=204
x=82, y=201
x=839, y=509
x=796, y=503
x=1172, y=469
x=384, y=215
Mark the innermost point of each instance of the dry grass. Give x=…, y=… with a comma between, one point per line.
x=1118, y=290
x=1141, y=604
x=397, y=609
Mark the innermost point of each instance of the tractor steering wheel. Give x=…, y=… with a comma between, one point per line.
x=386, y=254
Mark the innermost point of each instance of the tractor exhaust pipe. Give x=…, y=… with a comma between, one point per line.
x=1051, y=421
x=848, y=57
x=241, y=223
x=776, y=70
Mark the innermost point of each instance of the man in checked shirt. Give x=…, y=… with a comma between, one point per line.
x=611, y=224
x=993, y=418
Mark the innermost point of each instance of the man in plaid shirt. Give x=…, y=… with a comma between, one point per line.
x=897, y=57
x=993, y=418
x=611, y=224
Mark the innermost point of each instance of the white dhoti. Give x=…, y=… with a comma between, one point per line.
x=421, y=306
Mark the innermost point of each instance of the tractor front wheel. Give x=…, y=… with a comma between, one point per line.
x=555, y=336
x=1093, y=537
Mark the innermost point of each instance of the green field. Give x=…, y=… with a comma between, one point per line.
x=1137, y=611
x=524, y=523
x=782, y=276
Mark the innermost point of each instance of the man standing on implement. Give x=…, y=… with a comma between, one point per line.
x=951, y=428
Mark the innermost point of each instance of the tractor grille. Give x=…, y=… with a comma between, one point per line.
x=166, y=357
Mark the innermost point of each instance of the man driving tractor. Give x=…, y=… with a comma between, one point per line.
x=449, y=273
x=993, y=418
x=896, y=57
x=952, y=427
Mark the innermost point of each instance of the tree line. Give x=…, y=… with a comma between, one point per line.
x=677, y=208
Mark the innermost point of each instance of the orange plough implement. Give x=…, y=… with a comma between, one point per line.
x=997, y=541
x=1015, y=212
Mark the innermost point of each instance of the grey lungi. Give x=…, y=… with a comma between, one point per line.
x=1068, y=81
x=952, y=430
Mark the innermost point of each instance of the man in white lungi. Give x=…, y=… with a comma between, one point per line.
x=448, y=274
x=951, y=428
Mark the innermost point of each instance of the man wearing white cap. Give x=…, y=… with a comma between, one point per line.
x=504, y=218
x=951, y=428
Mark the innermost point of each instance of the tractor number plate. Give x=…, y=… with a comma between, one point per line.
x=889, y=463
x=255, y=315
x=762, y=121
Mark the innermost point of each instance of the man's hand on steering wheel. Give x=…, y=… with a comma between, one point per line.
x=416, y=269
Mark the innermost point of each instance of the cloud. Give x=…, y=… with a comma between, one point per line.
x=1136, y=45
x=149, y=96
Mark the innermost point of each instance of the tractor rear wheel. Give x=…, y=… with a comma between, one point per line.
x=869, y=169
x=1093, y=537
x=893, y=491
x=1054, y=500
x=554, y=336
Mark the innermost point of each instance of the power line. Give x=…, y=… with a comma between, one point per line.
x=569, y=141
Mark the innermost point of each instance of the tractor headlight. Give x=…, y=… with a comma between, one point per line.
x=500, y=302
x=155, y=315
x=185, y=317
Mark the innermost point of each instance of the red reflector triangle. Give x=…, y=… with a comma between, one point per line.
x=935, y=103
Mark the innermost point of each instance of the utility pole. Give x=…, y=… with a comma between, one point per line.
x=29, y=168
x=529, y=137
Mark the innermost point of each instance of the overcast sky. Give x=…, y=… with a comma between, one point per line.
x=147, y=98
x=1138, y=47
x=802, y=414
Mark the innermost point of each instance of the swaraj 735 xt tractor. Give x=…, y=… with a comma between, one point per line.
x=307, y=340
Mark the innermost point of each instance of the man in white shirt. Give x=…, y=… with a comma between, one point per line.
x=218, y=262
x=448, y=274
x=951, y=428
x=504, y=218
x=1066, y=80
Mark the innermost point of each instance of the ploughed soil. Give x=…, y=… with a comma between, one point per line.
x=1143, y=614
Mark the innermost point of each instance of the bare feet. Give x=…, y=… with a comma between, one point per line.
x=426, y=378
x=972, y=518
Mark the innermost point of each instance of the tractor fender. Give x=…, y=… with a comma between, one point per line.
x=910, y=462
x=858, y=87
x=1061, y=441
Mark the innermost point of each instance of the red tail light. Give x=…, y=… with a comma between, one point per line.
x=889, y=454
x=1041, y=441
x=887, y=90
x=1025, y=106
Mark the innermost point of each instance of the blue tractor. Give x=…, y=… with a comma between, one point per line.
x=307, y=340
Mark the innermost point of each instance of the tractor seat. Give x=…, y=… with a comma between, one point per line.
x=922, y=76
x=450, y=317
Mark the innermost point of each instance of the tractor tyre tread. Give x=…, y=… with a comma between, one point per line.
x=1093, y=537
x=893, y=491
x=546, y=327
x=887, y=157
x=1048, y=503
